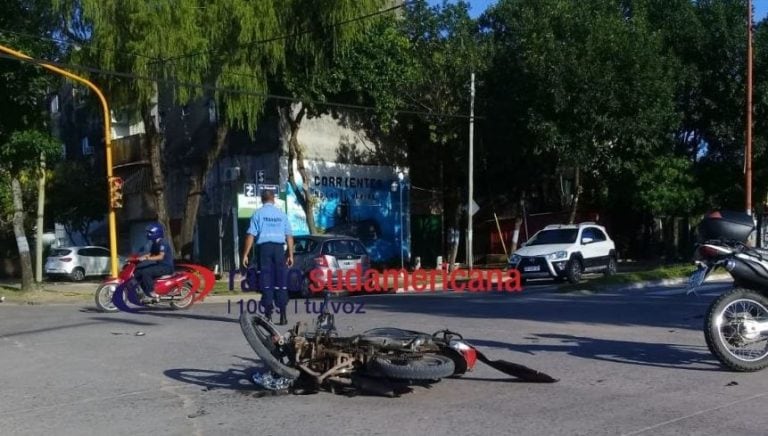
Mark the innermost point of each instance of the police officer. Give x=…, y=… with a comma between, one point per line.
x=270, y=226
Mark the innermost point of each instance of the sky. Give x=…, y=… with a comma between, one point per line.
x=477, y=7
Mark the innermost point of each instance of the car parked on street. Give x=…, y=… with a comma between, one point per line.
x=332, y=255
x=77, y=263
x=565, y=252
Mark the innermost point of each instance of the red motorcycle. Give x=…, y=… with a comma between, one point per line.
x=180, y=289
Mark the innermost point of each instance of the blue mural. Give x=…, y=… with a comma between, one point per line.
x=360, y=201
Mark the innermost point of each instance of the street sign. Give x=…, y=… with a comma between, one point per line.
x=249, y=190
x=273, y=188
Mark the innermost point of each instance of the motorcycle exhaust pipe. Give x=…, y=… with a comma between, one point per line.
x=745, y=272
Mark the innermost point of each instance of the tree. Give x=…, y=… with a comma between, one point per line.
x=77, y=194
x=23, y=152
x=314, y=72
x=235, y=45
x=23, y=88
x=586, y=84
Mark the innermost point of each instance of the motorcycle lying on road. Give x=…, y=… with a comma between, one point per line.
x=736, y=324
x=382, y=361
x=180, y=289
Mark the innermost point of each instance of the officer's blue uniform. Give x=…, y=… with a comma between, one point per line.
x=270, y=226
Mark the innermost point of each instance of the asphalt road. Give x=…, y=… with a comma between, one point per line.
x=630, y=362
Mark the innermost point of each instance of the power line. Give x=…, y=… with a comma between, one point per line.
x=72, y=43
x=295, y=34
x=229, y=90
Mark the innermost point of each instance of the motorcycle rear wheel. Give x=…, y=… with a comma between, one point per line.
x=259, y=333
x=187, y=297
x=426, y=367
x=726, y=333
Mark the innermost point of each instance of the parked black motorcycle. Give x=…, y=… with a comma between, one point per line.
x=736, y=326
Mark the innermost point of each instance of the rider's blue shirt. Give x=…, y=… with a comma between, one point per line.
x=269, y=224
x=156, y=247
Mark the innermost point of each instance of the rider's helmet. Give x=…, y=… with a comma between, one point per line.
x=154, y=231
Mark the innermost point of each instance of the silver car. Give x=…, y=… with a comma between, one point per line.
x=332, y=255
x=77, y=263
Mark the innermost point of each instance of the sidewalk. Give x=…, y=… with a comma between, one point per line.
x=78, y=292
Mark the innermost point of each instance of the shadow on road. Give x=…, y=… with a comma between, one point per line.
x=94, y=320
x=688, y=357
x=238, y=378
x=178, y=315
x=679, y=312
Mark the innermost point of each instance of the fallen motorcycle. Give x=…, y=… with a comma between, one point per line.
x=383, y=361
x=180, y=289
x=736, y=325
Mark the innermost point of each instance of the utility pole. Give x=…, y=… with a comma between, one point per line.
x=471, y=167
x=748, y=148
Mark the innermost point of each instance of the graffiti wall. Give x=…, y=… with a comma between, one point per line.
x=368, y=202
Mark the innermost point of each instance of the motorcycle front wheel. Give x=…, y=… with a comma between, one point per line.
x=732, y=330
x=261, y=335
x=103, y=297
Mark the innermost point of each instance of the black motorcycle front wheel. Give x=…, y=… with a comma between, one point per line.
x=426, y=367
x=261, y=335
x=732, y=330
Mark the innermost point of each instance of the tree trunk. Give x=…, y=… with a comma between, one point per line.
x=296, y=153
x=576, y=194
x=197, y=179
x=518, y=225
x=40, y=221
x=516, y=234
x=154, y=142
x=21, y=237
x=675, y=237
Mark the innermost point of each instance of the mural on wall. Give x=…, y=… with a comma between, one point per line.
x=363, y=201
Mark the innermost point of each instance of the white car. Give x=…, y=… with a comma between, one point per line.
x=77, y=263
x=565, y=252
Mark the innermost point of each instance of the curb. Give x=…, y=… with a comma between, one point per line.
x=663, y=282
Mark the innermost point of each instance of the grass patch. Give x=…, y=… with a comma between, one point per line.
x=674, y=271
x=14, y=295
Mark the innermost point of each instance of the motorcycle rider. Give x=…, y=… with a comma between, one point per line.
x=156, y=261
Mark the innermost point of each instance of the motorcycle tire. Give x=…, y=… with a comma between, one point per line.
x=186, y=298
x=713, y=329
x=259, y=332
x=426, y=367
x=103, y=298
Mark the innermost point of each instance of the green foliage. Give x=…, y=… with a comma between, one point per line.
x=23, y=86
x=24, y=149
x=584, y=81
x=77, y=195
x=668, y=187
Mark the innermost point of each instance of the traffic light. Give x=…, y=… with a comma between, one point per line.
x=260, y=176
x=116, y=192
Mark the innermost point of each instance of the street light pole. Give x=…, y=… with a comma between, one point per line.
x=748, y=148
x=107, y=143
x=471, y=169
x=400, y=177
